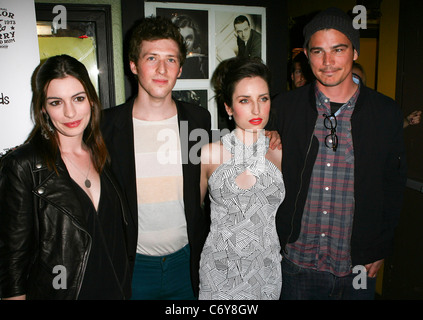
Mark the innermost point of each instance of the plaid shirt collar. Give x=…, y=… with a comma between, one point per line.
x=322, y=100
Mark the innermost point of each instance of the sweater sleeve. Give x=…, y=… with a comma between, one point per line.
x=395, y=177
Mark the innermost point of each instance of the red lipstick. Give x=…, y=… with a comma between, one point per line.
x=256, y=121
x=73, y=124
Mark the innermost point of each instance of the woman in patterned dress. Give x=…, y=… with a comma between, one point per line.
x=241, y=257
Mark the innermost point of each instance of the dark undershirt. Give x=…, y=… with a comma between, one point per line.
x=334, y=106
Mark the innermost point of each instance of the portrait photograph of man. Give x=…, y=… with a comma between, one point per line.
x=238, y=34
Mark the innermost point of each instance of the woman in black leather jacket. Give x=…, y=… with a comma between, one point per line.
x=62, y=215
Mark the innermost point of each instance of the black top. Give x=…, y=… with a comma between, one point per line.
x=106, y=268
x=335, y=106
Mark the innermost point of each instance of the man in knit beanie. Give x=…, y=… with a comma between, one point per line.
x=333, y=18
x=332, y=65
x=343, y=168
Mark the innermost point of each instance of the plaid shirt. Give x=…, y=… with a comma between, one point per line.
x=324, y=241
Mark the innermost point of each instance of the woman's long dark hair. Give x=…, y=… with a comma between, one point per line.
x=59, y=67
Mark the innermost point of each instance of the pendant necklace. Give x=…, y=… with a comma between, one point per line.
x=87, y=181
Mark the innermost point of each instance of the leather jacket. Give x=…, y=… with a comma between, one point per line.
x=42, y=226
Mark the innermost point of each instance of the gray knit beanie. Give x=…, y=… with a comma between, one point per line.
x=333, y=18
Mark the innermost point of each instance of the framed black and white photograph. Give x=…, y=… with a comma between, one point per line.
x=212, y=33
x=198, y=97
x=193, y=25
x=238, y=34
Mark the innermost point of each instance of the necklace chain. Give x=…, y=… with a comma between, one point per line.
x=87, y=181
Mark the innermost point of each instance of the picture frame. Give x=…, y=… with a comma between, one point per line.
x=212, y=37
x=87, y=38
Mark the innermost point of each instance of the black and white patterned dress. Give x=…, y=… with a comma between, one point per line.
x=241, y=256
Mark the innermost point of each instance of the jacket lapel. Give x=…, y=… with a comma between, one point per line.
x=187, y=167
x=123, y=160
x=52, y=188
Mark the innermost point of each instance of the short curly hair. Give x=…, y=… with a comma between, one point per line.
x=155, y=28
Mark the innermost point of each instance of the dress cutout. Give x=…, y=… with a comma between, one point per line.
x=241, y=256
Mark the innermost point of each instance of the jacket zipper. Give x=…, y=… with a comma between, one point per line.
x=299, y=191
x=75, y=223
x=86, y=255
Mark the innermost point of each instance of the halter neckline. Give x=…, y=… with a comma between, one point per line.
x=251, y=157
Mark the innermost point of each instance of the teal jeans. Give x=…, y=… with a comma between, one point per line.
x=163, y=277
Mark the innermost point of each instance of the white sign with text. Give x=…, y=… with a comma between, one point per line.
x=19, y=56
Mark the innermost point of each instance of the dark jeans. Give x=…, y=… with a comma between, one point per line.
x=163, y=278
x=306, y=284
